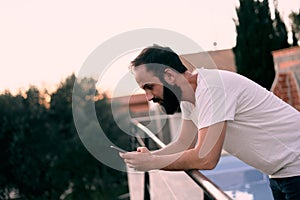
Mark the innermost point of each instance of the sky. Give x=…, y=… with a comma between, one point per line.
x=43, y=42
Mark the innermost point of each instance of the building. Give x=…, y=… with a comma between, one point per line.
x=221, y=59
x=287, y=81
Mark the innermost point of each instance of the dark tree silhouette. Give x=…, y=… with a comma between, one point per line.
x=257, y=36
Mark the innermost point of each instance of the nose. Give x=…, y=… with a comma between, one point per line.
x=149, y=96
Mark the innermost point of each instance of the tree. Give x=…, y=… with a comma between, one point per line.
x=280, y=39
x=42, y=156
x=9, y=107
x=257, y=36
x=295, y=18
x=83, y=175
x=26, y=145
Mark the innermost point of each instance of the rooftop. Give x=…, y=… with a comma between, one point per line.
x=287, y=80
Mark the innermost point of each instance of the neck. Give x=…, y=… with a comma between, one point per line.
x=188, y=86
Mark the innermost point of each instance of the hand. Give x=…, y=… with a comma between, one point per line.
x=141, y=160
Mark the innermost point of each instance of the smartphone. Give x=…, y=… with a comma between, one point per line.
x=118, y=149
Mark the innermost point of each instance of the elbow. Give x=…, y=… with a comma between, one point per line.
x=206, y=163
x=211, y=165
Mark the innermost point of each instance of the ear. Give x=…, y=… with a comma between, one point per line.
x=169, y=76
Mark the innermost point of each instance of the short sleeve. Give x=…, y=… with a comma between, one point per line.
x=186, y=110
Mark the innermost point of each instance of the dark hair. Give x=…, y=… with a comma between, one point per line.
x=157, y=59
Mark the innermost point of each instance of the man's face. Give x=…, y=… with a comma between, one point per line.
x=158, y=91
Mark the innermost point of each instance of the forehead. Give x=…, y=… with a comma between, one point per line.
x=143, y=76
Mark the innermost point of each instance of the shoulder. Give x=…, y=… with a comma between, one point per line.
x=185, y=105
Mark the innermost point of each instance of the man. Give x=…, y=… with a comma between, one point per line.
x=220, y=109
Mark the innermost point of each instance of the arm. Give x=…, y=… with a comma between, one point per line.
x=205, y=155
x=207, y=152
x=186, y=140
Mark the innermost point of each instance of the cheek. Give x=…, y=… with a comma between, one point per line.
x=160, y=92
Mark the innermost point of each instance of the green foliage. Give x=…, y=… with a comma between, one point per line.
x=257, y=36
x=295, y=18
x=280, y=33
x=42, y=156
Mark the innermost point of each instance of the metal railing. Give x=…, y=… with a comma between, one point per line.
x=211, y=190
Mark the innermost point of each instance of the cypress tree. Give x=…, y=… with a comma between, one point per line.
x=257, y=35
x=280, y=31
x=295, y=22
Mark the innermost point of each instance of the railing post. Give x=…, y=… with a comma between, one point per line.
x=139, y=141
x=146, y=186
x=146, y=177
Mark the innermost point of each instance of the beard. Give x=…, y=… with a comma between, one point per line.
x=171, y=99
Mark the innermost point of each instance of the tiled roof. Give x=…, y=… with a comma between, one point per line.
x=221, y=59
x=286, y=87
x=137, y=103
x=287, y=81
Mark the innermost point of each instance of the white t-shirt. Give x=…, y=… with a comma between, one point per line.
x=262, y=130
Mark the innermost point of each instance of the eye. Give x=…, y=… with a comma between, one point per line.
x=148, y=87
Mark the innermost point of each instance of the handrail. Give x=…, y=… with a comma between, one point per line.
x=210, y=189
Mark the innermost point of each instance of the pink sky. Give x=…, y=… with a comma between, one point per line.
x=42, y=42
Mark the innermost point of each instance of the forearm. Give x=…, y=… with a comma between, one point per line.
x=181, y=144
x=186, y=140
x=185, y=160
x=174, y=147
